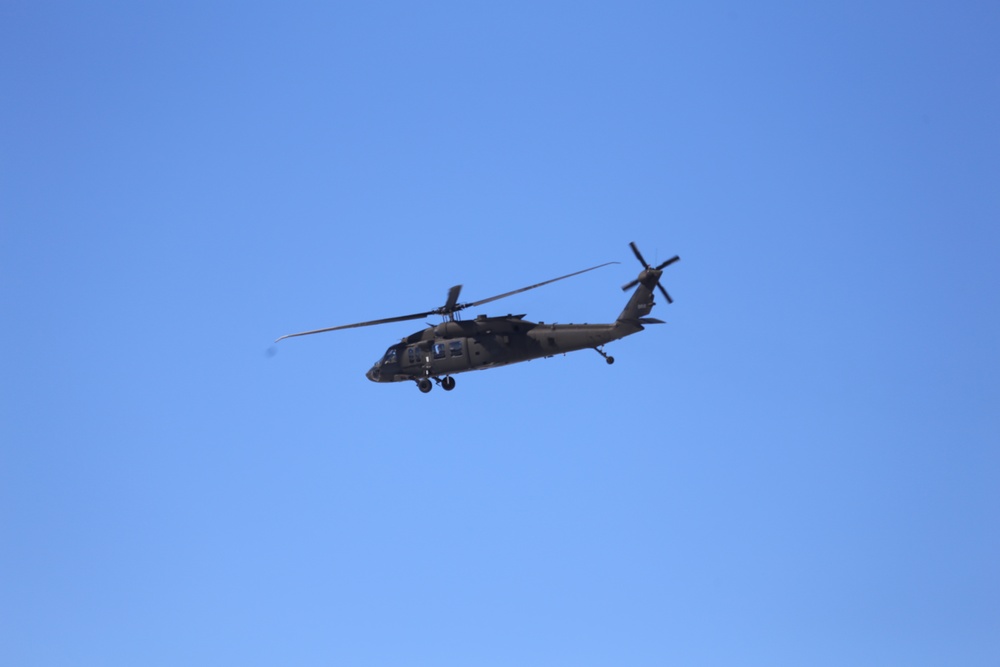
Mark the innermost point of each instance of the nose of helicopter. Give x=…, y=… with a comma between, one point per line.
x=373, y=374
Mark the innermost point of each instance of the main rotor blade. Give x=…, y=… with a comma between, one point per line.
x=451, y=306
x=525, y=289
x=638, y=255
x=387, y=320
x=675, y=258
x=453, y=293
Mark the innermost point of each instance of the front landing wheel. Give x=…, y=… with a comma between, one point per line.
x=424, y=385
x=448, y=383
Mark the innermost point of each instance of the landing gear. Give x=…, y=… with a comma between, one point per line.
x=600, y=351
x=425, y=385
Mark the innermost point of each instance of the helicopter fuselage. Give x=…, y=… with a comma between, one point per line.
x=488, y=342
x=456, y=346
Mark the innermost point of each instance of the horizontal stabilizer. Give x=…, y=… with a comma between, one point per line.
x=650, y=320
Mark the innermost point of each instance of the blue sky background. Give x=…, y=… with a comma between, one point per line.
x=800, y=468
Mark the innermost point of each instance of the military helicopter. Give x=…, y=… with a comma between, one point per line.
x=441, y=351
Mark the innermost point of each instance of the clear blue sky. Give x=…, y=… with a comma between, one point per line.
x=801, y=468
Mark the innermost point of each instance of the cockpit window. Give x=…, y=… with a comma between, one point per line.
x=439, y=350
x=390, y=356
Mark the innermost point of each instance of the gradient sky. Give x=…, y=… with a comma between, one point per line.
x=801, y=468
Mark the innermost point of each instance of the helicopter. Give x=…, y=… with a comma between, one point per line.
x=438, y=352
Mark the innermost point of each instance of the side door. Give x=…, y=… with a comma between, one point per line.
x=450, y=355
x=416, y=360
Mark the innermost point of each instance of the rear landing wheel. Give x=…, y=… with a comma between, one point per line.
x=424, y=385
x=600, y=350
x=448, y=383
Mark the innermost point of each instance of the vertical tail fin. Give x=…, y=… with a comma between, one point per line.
x=640, y=305
x=642, y=301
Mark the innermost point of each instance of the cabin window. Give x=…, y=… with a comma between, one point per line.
x=456, y=348
x=439, y=350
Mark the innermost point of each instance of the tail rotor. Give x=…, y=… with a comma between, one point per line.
x=650, y=274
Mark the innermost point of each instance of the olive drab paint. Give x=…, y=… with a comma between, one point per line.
x=440, y=351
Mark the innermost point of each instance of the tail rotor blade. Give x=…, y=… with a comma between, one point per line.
x=675, y=258
x=650, y=272
x=638, y=255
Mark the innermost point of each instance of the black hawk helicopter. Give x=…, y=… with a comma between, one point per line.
x=456, y=346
